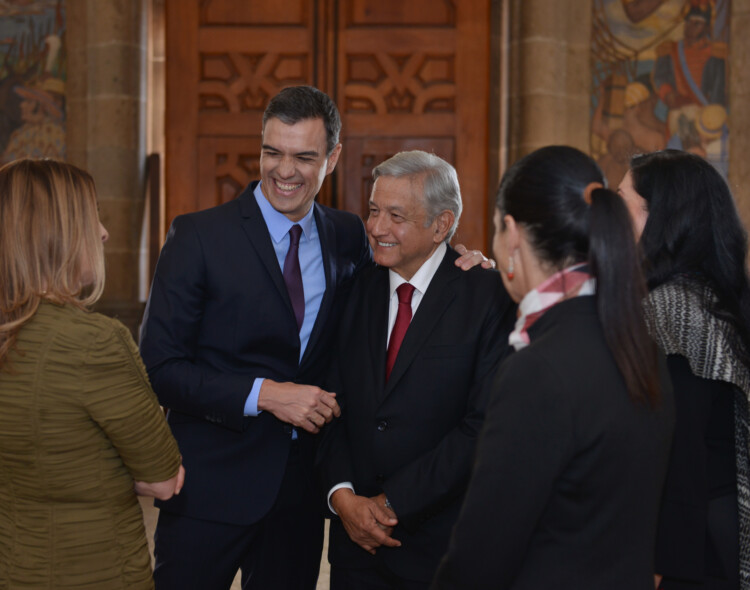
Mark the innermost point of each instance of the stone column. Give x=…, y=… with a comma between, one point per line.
x=550, y=75
x=106, y=43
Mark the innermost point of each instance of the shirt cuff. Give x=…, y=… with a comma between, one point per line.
x=251, y=403
x=346, y=484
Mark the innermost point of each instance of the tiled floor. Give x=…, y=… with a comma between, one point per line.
x=149, y=518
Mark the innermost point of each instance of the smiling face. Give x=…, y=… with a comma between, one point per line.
x=396, y=225
x=636, y=204
x=293, y=164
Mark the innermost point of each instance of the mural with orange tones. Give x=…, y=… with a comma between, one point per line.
x=32, y=79
x=660, y=75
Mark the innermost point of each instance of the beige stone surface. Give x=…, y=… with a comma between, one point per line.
x=106, y=130
x=121, y=285
x=117, y=172
x=549, y=81
x=116, y=21
x=112, y=71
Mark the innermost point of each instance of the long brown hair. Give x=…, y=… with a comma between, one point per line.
x=50, y=245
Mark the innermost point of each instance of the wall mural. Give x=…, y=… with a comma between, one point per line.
x=660, y=75
x=32, y=79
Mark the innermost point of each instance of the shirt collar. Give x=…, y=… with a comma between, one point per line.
x=422, y=278
x=279, y=224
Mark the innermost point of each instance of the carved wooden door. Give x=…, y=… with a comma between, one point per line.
x=406, y=75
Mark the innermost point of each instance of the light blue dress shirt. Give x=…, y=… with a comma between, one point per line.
x=311, y=265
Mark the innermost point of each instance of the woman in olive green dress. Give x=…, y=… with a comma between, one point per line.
x=81, y=432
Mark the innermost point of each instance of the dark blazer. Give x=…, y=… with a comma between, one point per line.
x=413, y=437
x=695, y=541
x=219, y=316
x=569, y=470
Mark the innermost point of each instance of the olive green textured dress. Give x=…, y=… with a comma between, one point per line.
x=78, y=424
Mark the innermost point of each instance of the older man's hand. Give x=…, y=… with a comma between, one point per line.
x=367, y=522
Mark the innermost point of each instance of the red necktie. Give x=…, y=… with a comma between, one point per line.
x=293, y=275
x=403, y=318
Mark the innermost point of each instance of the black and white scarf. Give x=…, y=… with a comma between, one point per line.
x=679, y=320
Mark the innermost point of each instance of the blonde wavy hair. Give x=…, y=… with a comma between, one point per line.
x=50, y=242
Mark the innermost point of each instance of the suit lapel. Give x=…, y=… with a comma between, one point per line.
x=256, y=230
x=440, y=293
x=377, y=324
x=327, y=236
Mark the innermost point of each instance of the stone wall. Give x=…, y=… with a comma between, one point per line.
x=106, y=132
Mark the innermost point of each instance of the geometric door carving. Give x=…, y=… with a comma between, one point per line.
x=405, y=75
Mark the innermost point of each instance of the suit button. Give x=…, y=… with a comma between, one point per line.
x=382, y=425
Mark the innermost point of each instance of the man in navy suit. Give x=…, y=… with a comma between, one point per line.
x=419, y=341
x=227, y=354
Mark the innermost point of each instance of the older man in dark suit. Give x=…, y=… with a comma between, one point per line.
x=417, y=344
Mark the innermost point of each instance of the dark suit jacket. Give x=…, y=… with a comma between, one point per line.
x=569, y=470
x=414, y=436
x=219, y=316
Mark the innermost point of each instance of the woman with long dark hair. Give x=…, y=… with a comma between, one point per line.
x=574, y=449
x=698, y=311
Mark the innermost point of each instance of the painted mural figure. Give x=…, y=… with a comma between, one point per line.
x=660, y=75
x=33, y=64
x=42, y=132
x=692, y=70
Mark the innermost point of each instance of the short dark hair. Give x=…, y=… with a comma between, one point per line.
x=297, y=103
x=544, y=193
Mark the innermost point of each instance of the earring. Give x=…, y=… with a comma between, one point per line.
x=510, y=274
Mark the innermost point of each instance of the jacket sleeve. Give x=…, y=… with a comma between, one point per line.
x=171, y=331
x=118, y=397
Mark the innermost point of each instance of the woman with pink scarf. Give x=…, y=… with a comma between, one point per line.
x=573, y=454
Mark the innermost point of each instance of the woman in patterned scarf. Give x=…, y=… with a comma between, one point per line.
x=698, y=311
x=572, y=457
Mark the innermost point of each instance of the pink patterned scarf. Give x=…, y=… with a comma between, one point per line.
x=570, y=282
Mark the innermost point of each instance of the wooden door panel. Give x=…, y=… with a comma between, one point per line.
x=412, y=75
x=411, y=12
x=406, y=75
x=225, y=60
x=227, y=165
x=255, y=12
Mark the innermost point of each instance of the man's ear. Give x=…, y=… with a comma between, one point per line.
x=443, y=224
x=333, y=158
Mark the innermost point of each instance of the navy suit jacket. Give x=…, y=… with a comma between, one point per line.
x=413, y=437
x=218, y=317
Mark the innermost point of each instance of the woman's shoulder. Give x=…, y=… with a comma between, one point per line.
x=74, y=324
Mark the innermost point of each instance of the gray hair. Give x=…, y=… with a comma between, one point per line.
x=441, y=190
